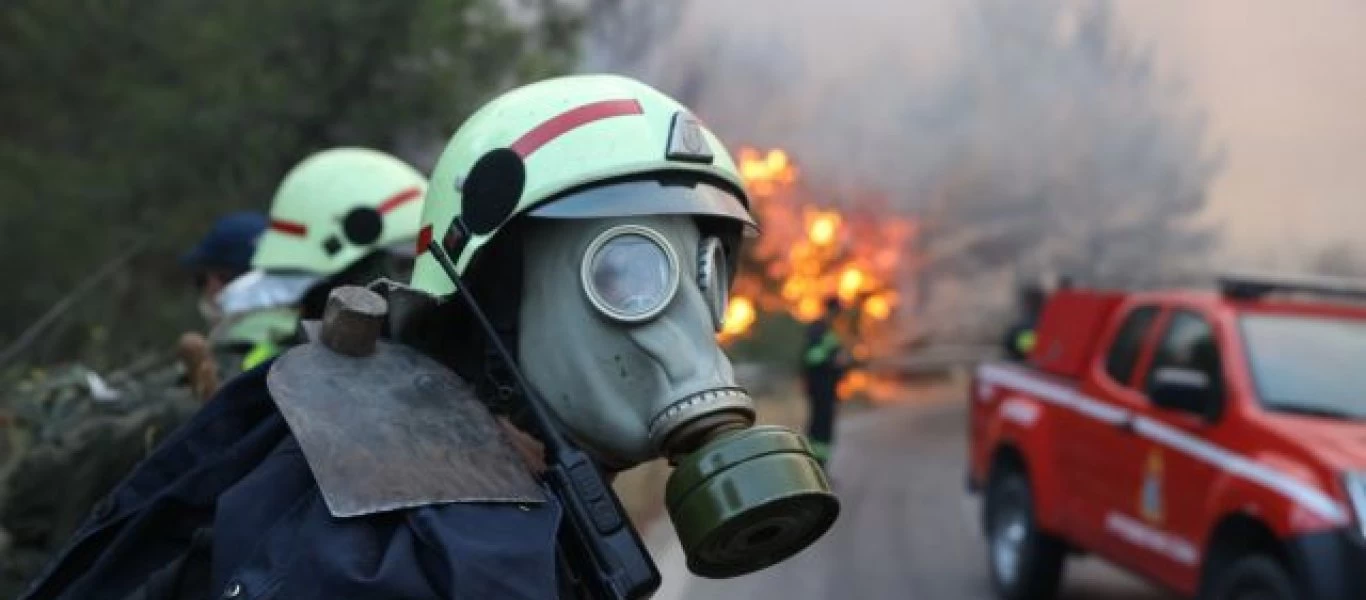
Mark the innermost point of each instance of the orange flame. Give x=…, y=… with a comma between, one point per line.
x=740, y=315
x=809, y=308
x=852, y=383
x=823, y=227
x=879, y=306
x=765, y=173
x=851, y=281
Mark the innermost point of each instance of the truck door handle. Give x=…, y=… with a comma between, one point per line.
x=1125, y=424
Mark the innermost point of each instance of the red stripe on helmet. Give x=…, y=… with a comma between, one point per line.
x=424, y=238
x=289, y=227
x=570, y=120
x=398, y=200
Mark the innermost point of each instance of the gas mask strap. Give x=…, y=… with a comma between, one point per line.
x=497, y=390
x=502, y=295
x=599, y=538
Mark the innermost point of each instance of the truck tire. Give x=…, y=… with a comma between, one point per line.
x=1253, y=577
x=1026, y=563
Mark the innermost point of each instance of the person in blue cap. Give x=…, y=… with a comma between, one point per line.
x=221, y=256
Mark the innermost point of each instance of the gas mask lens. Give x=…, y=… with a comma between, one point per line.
x=630, y=273
x=713, y=279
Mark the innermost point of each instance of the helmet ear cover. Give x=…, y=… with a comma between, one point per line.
x=362, y=226
x=489, y=193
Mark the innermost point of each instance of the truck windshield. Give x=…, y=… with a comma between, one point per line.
x=1308, y=365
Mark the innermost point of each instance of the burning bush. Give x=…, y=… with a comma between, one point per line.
x=812, y=249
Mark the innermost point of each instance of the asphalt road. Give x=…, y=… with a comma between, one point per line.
x=907, y=530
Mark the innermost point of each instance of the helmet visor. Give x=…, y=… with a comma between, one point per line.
x=649, y=197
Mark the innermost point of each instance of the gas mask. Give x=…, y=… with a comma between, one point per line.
x=617, y=332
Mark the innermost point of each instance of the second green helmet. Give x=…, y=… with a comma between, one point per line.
x=336, y=207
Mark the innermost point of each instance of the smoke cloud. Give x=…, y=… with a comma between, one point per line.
x=857, y=89
x=1284, y=84
x=1030, y=136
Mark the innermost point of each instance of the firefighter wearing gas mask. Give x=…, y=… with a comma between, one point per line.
x=593, y=224
x=603, y=224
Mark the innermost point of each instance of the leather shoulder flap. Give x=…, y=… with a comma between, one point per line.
x=394, y=430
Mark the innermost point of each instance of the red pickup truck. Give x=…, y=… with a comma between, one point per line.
x=1212, y=442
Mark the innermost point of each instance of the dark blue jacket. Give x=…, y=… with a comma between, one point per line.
x=227, y=507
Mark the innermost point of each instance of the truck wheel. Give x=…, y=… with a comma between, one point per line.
x=1026, y=564
x=1255, y=577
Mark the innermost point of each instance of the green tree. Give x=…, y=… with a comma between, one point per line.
x=142, y=120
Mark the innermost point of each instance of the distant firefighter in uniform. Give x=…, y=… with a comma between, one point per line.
x=824, y=362
x=1021, y=338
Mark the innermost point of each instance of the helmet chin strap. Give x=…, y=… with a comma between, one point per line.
x=501, y=295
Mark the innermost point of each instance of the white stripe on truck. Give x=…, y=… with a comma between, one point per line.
x=1308, y=496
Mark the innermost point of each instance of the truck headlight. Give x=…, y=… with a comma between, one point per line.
x=1356, y=493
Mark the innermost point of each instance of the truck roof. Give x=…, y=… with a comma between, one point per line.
x=1305, y=304
x=1073, y=321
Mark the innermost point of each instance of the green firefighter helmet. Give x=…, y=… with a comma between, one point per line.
x=584, y=146
x=336, y=207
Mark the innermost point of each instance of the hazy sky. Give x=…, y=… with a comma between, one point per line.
x=1285, y=87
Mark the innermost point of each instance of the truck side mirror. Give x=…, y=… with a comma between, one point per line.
x=1186, y=390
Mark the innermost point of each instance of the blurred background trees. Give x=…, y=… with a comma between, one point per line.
x=131, y=124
